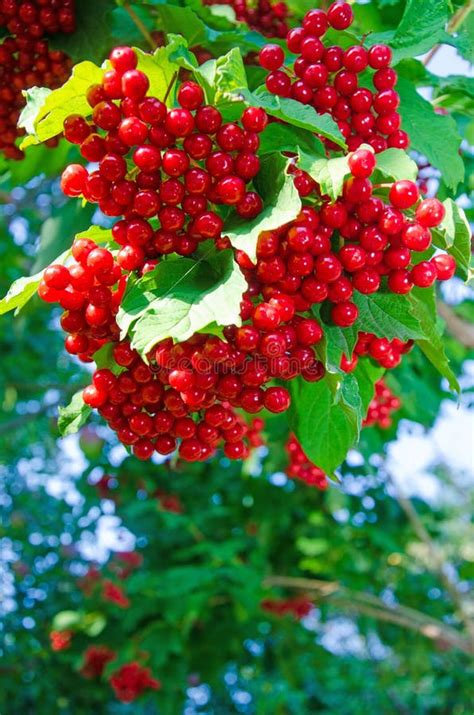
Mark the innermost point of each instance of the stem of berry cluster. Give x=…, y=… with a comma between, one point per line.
x=140, y=25
x=170, y=86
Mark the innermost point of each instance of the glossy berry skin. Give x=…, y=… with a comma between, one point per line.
x=73, y=180
x=430, y=213
x=344, y=314
x=276, y=399
x=362, y=163
x=403, y=194
x=445, y=266
x=340, y=15
x=424, y=274
x=271, y=57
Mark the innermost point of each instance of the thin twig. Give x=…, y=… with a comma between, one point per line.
x=369, y=605
x=170, y=86
x=140, y=25
x=437, y=563
x=453, y=25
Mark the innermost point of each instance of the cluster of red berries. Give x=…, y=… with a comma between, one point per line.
x=60, y=640
x=130, y=680
x=187, y=394
x=26, y=60
x=382, y=406
x=326, y=77
x=298, y=606
x=269, y=18
x=300, y=467
x=95, y=658
x=387, y=353
x=89, y=291
x=183, y=163
x=36, y=18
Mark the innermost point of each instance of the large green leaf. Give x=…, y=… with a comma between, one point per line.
x=44, y=114
x=294, y=113
x=181, y=297
x=423, y=307
x=421, y=27
x=288, y=138
x=74, y=416
x=454, y=235
x=223, y=76
x=434, y=135
x=387, y=315
x=281, y=205
x=326, y=429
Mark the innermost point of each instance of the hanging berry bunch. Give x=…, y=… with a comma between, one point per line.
x=383, y=405
x=26, y=59
x=300, y=467
x=327, y=77
x=185, y=161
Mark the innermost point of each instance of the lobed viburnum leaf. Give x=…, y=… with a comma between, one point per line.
x=44, y=114
x=180, y=297
x=222, y=77
x=454, y=236
x=387, y=315
x=288, y=138
x=434, y=135
x=281, y=201
x=163, y=65
x=72, y=417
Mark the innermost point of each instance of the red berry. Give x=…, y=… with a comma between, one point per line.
x=276, y=399
x=271, y=57
x=430, y=213
x=403, y=194
x=445, y=266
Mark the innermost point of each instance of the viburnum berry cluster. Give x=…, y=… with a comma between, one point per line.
x=27, y=61
x=297, y=606
x=382, y=406
x=184, y=162
x=300, y=467
x=387, y=353
x=327, y=77
x=170, y=175
x=269, y=18
x=377, y=245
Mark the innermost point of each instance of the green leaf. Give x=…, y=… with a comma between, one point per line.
x=328, y=173
x=294, y=113
x=35, y=98
x=288, y=138
x=281, y=205
x=181, y=297
x=222, y=77
x=23, y=289
x=454, y=236
x=86, y=41
x=367, y=373
x=44, y=114
x=421, y=27
x=325, y=429
x=339, y=341
x=161, y=67
x=74, y=416
x=97, y=234
x=433, y=135
x=423, y=307
x=396, y=164
x=387, y=315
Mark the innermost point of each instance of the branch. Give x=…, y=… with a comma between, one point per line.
x=453, y=25
x=140, y=25
x=459, y=328
x=437, y=563
x=369, y=605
